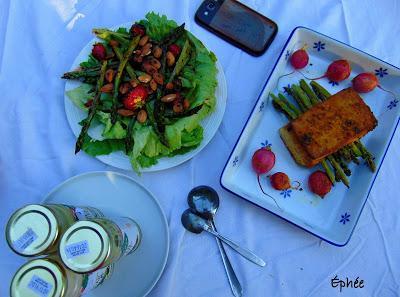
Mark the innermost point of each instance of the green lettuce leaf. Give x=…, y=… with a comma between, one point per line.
x=102, y=147
x=80, y=95
x=202, y=73
x=183, y=150
x=192, y=138
x=116, y=131
x=145, y=161
x=157, y=27
x=90, y=62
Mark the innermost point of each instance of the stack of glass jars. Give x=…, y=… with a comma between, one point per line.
x=75, y=248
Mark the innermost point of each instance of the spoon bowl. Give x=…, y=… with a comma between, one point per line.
x=204, y=200
x=192, y=222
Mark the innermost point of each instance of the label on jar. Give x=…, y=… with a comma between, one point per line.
x=39, y=286
x=77, y=249
x=83, y=213
x=130, y=234
x=25, y=240
x=95, y=279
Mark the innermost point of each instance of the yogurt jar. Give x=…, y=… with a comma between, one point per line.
x=36, y=229
x=90, y=245
x=47, y=277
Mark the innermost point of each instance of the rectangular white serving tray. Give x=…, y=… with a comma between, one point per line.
x=333, y=218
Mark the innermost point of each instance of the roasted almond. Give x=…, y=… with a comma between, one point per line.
x=142, y=116
x=134, y=82
x=170, y=58
x=144, y=78
x=157, y=52
x=169, y=86
x=177, y=107
x=168, y=98
x=109, y=75
x=125, y=112
x=124, y=88
x=147, y=67
x=153, y=85
x=154, y=62
x=159, y=78
x=186, y=104
x=146, y=50
x=107, y=88
x=143, y=40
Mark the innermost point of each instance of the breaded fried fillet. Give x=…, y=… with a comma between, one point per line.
x=328, y=126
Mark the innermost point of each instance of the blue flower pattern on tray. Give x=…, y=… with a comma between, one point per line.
x=285, y=89
x=287, y=55
x=286, y=193
x=345, y=218
x=319, y=46
x=334, y=83
x=381, y=72
x=266, y=143
x=393, y=104
x=235, y=161
x=262, y=105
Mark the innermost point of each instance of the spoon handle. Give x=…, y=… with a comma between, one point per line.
x=244, y=252
x=230, y=273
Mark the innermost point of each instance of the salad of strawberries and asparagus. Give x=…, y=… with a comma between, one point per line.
x=149, y=86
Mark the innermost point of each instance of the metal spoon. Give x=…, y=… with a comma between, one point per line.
x=196, y=224
x=205, y=201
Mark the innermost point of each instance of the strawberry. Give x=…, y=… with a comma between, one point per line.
x=174, y=49
x=138, y=30
x=136, y=98
x=99, y=51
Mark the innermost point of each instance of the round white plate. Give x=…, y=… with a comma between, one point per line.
x=117, y=194
x=119, y=159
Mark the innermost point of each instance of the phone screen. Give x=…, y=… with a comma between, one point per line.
x=240, y=23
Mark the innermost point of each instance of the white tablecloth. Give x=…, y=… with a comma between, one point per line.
x=39, y=39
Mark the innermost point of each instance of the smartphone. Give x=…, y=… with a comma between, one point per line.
x=237, y=24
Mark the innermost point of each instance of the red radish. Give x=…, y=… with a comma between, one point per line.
x=99, y=51
x=280, y=181
x=366, y=82
x=337, y=71
x=319, y=183
x=262, y=161
x=299, y=59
